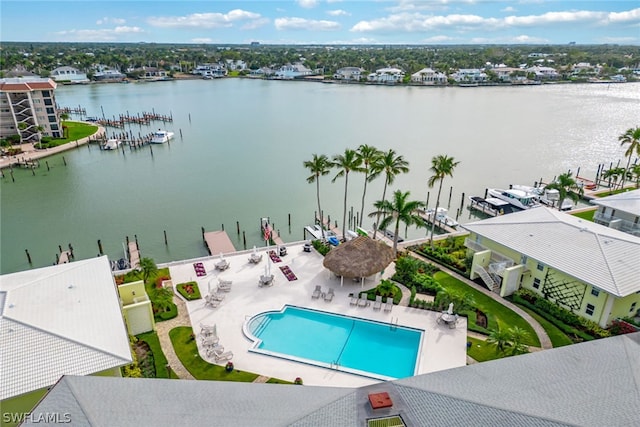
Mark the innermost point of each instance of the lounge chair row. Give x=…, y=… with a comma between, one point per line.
x=363, y=301
x=327, y=296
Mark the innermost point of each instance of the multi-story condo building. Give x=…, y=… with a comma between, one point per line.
x=28, y=108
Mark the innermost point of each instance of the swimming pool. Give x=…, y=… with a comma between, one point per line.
x=374, y=349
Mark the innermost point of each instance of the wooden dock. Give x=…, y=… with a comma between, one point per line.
x=217, y=242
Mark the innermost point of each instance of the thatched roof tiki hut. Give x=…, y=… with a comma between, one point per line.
x=358, y=258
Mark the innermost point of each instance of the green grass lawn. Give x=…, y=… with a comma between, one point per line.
x=187, y=351
x=159, y=359
x=497, y=314
x=586, y=215
x=481, y=350
x=557, y=337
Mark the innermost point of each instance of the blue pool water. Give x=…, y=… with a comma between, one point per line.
x=374, y=349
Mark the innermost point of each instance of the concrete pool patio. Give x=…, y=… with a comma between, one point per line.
x=442, y=347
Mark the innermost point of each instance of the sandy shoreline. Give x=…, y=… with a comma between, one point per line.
x=29, y=152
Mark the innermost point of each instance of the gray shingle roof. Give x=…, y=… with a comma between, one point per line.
x=606, y=258
x=590, y=384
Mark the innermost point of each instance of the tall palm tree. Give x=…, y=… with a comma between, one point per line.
x=319, y=165
x=631, y=137
x=567, y=187
x=347, y=162
x=398, y=210
x=441, y=166
x=367, y=155
x=391, y=164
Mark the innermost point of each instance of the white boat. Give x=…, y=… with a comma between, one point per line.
x=442, y=217
x=161, y=136
x=492, y=206
x=112, y=144
x=549, y=197
x=518, y=198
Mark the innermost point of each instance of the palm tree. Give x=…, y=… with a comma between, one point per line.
x=318, y=166
x=148, y=267
x=441, y=166
x=367, y=155
x=567, y=187
x=631, y=137
x=347, y=162
x=392, y=165
x=398, y=210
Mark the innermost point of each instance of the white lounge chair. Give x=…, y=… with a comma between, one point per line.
x=363, y=301
x=377, y=305
x=317, y=292
x=227, y=355
x=388, y=304
x=329, y=295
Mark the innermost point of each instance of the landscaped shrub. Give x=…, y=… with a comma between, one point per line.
x=189, y=290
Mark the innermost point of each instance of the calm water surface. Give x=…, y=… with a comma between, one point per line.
x=240, y=145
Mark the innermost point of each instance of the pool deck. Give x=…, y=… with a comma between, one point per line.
x=442, y=348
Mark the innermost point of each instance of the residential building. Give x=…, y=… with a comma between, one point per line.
x=620, y=211
x=543, y=73
x=469, y=75
x=427, y=76
x=28, y=108
x=592, y=384
x=69, y=75
x=349, y=74
x=59, y=320
x=292, y=71
x=584, y=267
x=389, y=75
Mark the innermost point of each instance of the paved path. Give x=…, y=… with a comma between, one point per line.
x=545, y=342
x=163, y=328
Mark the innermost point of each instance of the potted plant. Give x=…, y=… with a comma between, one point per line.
x=229, y=367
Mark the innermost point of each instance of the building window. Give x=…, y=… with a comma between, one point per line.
x=595, y=292
x=590, y=309
x=536, y=283
x=540, y=266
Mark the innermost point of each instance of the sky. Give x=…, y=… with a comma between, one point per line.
x=439, y=22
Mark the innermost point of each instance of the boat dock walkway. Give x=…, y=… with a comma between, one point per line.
x=217, y=242
x=428, y=217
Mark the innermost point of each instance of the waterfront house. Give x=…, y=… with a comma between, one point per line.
x=543, y=73
x=389, y=75
x=292, y=71
x=28, y=108
x=469, y=75
x=68, y=74
x=595, y=383
x=136, y=308
x=584, y=267
x=620, y=211
x=349, y=74
x=59, y=320
x=427, y=76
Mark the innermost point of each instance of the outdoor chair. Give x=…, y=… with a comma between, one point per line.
x=388, y=305
x=316, y=292
x=329, y=295
x=377, y=305
x=363, y=301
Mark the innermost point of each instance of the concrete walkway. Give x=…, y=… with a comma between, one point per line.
x=545, y=342
x=163, y=328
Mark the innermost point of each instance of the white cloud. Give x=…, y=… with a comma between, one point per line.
x=305, y=24
x=103, y=34
x=204, y=20
x=338, y=12
x=203, y=40
x=308, y=4
x=107, y=20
